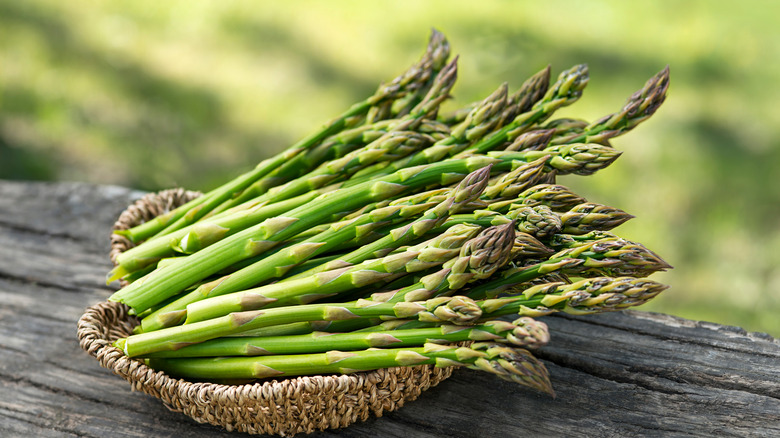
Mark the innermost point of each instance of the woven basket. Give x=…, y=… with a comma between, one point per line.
x=283, y=407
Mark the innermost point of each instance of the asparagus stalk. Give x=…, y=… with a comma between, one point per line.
x=587, y=296
x=478, y=259
x=313, y=287
x=567, y=90
x=455, y=310
x=589, y=216
x=536, y=140
x=638, y=108
x=609, y=256
x=512, y=364
x=557, y=197
x=480, y=120
x=335, y=147
x=279, y=263
x=524, y=332
x=152, y=250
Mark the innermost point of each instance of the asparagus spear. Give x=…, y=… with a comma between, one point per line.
x=589, y=216
x=638, y=108
x=455, y=310
x=536, y=140
x=152, y=250
x=564, y=92
x=480, y=120
x=279, y=263
x=557, y=197
x=478, y=259
x=587, y=296
x=334, y=147
x=608, y=256
x=313, y=287
x=524, y=332
x=513, y=364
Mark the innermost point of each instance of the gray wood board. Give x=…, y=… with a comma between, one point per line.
x=619, y=374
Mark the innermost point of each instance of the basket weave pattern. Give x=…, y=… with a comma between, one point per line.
x=283, y=407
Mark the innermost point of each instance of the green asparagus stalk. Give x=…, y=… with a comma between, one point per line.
x=335, y=147
x=524, y=332
x=455, y=310
x=510, y=184
x=538, y=221
x=567, y=90
x=609, y=256
x=152, y=250
x=513, y=364
x=638, y=108
x=480, y=120
x=557, y=197
x=478, y=259
x=529, y=93
x=587, y=217
x=587, y=296
x=279, y=263
x=536, y=140
x=314, y=287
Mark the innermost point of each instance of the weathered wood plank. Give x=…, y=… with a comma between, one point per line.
x=621, y=374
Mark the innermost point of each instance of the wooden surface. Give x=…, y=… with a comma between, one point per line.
x=620, y=374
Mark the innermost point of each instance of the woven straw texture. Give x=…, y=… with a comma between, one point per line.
x=282, y=407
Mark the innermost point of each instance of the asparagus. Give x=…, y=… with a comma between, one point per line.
x=329, y=283
x=480, y=120
x=335, y=147
x=538, y=221
x=153, y=250
x=514, y=182
x=513, y=364
x=587, y=296
x=536, y=140
x=638, y=108
x=529, y=93
x=557, y=197
x=587, y=217
x=608, y=256
x=523, y=332
x=564, y=92
x=279, y=263
x=455, y=310
x=478, y=259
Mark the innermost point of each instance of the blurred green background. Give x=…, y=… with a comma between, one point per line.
x=152, y=95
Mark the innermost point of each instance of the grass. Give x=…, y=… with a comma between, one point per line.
x=188, y=94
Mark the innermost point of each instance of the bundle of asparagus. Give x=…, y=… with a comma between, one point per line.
x=395, y=236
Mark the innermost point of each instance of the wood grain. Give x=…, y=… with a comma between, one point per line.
x=620, y=374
